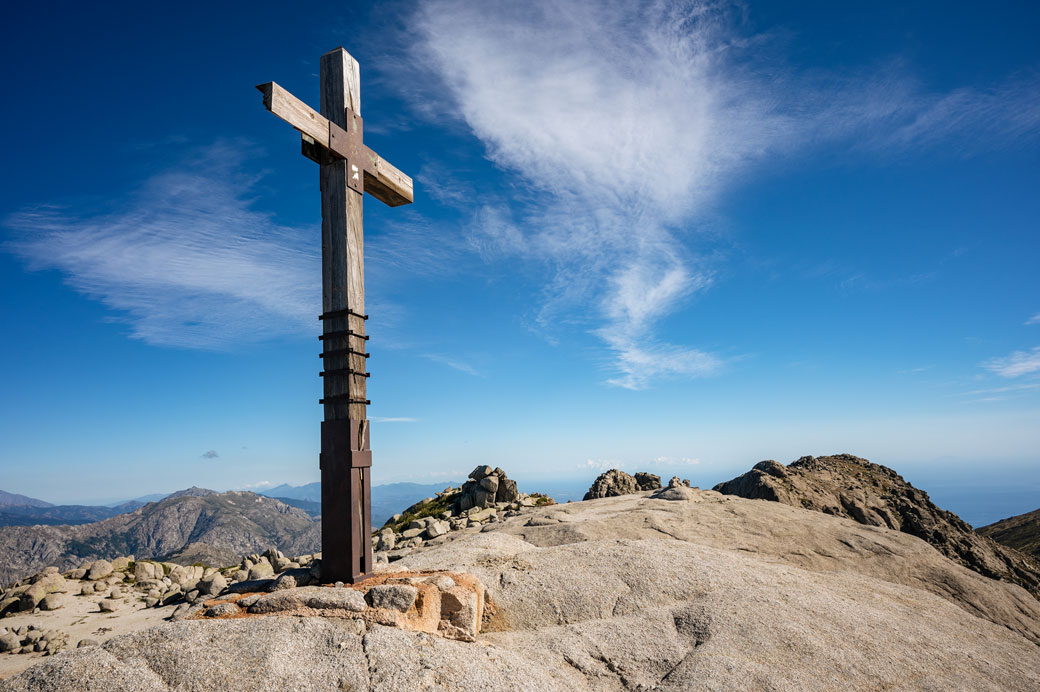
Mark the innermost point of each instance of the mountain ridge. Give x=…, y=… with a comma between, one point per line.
x=208, y=527
x=1020, y=532
x=848, y=486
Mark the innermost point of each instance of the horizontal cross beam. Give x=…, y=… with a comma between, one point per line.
x=382, y=180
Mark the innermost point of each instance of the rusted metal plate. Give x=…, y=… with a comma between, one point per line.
x=348, y=143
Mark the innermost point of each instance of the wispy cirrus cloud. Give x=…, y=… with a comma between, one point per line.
x=1035, y=319
x=1015, y=364
x=453, y=363
x=627, y=119
x=186, y=261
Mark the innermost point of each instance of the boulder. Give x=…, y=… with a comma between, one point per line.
x=213, y=584
x=490, y=483
x=437, y=528
x=481, y=472
x=507, y=490
x=50, y=602
x=145, y=570
x=261, y=570
x=121, y=563
x=186, y=575
x=108, y=605
x=223, y=610
x=647, y=481
x=10, y=642
x=31, y=597
x=99, y=569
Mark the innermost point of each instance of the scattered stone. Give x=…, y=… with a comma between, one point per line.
x=87, y=642
x=437, y=528
x=392, y=596
x=249, y=600
x=10, y=642
x=108, y=605
x=222, y=609
x=291, y=578
x=151, y=601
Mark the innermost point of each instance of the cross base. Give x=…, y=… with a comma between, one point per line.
x=346, y=501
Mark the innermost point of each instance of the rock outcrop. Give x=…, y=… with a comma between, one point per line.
x=1021, y=533
x=487, y=497
x=844, y=485
x=628, y=593
x=614, y=482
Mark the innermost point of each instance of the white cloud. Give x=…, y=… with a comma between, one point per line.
x=211, y=454
x=675, y=461
x=381, y=419
x=627, y=119
x=187, y=261
x=452, y=363
x=1016, y=364
x=600, y=465
x=1035, y=319
x=259, y=485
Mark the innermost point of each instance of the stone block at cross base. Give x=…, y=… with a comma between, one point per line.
x=398, y=597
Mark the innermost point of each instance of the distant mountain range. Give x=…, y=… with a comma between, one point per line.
x=387, y=499
x=13, y=500
x=190, y=526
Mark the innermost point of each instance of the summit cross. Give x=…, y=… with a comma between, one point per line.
x=348, y=169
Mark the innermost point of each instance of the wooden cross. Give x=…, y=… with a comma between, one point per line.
x=333, y=139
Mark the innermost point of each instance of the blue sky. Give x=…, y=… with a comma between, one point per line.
x=673, y=236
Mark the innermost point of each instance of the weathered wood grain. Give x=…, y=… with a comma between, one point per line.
x=295, y=112
x=382, y=180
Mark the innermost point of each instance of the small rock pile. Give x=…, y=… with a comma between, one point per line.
x=616, y=482
x=488, y=496
x=29, y=638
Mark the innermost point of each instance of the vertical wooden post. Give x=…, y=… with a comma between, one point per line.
x=345, y=457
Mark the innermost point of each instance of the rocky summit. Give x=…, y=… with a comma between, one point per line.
x=844, y=485
x=669, y=589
